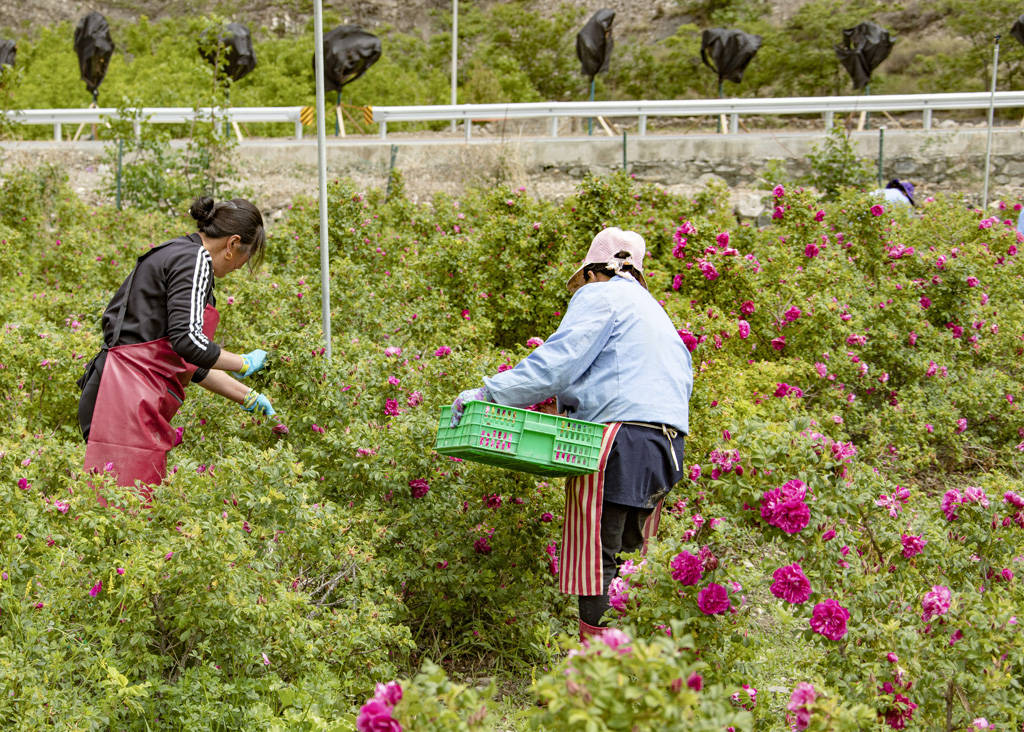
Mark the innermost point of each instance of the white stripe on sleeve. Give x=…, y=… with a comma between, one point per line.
x=200, y=280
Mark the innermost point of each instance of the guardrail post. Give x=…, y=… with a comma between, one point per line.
x=829, y=120
x=298, y=129
x=137, y=128
x=926, y=119
x=554, y=126
x=56, y=132
x=383, y=130
x=469, y=128
x=642, y=124
x=734, y=123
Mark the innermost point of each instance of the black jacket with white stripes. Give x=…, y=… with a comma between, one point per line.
x=169, y=293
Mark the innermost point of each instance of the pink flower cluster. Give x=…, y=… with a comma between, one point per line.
x=900, y=711
x=782, y=389
x=725, y=462
x=784, y=507
x=375, y=715
x=800, y=702
x=953, y=498
x=912, y=545
x=893, y=503
x=935, y=602
x=618, y=593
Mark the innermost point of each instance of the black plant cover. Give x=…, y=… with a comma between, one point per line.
x=94, y=47
x=8, y=50
x=594, y=43
x=864, y=47
x=348, y=52
x=728, y=51
x=1018, y=29
x=233, y=46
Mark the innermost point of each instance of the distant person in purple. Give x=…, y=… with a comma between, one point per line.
x=896, y=191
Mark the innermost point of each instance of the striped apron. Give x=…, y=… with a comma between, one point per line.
x=581, y=569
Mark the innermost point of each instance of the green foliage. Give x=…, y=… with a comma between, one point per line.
x=311, y=547
x=835, y=165
x=147, y=172
x=519, y=52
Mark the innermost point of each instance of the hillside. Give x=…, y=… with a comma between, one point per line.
x=661, y=16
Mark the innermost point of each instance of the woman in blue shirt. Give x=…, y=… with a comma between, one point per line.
x=616, y=358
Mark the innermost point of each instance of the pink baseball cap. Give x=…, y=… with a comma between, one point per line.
x=616, y=248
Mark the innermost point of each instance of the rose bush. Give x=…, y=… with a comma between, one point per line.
x=856, y=444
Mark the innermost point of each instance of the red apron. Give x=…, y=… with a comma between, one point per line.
x=141, y=388
x=581, y=568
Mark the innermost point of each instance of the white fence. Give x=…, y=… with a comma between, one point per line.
x=156, y=115
x=733, y=108
x=926, y=104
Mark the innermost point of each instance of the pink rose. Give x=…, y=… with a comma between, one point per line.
x=912, y=545
x=375, y=716
x=829, y=619
x=877, y=210
x=418, y=487
x=686, y=568
x=791, y=584
x=389, y=693
x=713, y=599
x=935, y=602
x=618, y=593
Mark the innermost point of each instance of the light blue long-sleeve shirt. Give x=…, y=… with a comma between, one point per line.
x=891, y=195
x=615, y=357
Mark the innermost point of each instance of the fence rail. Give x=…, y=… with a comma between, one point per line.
x=156, y=115
x=733, y=108
x=552, y=111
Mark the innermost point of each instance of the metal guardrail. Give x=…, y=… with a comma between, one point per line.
x=733, y=108
x=156, y=115
x=553, y=111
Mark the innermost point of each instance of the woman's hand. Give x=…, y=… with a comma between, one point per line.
x=258, y=403
x=252, y=362
x=220, y=382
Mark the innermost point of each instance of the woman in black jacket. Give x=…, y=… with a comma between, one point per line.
x=158, y=336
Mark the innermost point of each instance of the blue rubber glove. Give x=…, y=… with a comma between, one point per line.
x=470, y=395
x=252, y=362
x=256, y=402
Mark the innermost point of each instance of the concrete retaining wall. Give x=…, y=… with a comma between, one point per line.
x=278, y=170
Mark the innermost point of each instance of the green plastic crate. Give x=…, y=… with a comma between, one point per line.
x=519, y=439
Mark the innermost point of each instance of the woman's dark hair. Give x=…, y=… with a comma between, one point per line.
x=602, y=268
x=228, y=218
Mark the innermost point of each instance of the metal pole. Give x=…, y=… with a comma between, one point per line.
x=321, y=149
x=625, y=160
x=721, y=117
x=881, y=154
x=391, y=171
x=337, y=112
x=120, y=154
x=455, y=56
x=991, y=115
x=590, y=120
x=867, y=114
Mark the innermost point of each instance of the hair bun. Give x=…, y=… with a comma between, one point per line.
x=202, y=209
